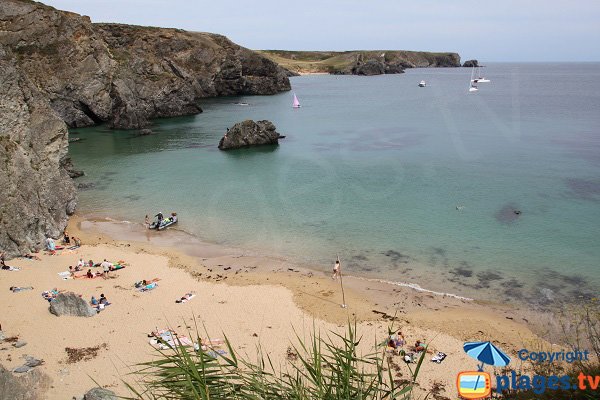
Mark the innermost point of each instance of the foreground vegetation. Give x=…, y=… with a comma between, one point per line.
x=324, y=367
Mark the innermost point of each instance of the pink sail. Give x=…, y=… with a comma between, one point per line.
x=296, y=103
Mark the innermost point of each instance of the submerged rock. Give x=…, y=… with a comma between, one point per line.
x=249, y=133
x=71, y=304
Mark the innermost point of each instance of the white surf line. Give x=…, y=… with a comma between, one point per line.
x=413, y=286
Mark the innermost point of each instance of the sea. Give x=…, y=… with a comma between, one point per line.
x=492, y=195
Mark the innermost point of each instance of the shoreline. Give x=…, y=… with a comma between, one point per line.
x=249, y=298
x=208, y=261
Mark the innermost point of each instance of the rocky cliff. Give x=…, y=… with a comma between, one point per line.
x=360, y=62
x=126, y=75
x=58, y=69
x=36, y=193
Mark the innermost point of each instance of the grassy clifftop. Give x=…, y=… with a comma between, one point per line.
x=359, y=62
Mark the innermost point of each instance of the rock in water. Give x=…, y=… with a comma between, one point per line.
x=249, y=133
x=71, y=304
x=37, y=193
x=100, y=394
x=471, y=63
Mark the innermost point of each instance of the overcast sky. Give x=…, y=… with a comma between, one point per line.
x=502, y=30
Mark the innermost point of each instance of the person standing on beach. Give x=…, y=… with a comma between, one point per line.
x=147, y=221
x=106, y=267
x=336, y=269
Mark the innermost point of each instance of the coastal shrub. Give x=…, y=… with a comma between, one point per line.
x=324, y=367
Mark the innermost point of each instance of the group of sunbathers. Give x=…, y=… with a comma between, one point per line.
x=69, y=242
x=100, y=303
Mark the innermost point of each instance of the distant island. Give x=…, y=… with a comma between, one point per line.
x=359, y=62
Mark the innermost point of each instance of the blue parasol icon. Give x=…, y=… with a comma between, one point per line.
x=486, y=353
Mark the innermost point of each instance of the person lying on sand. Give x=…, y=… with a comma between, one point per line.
x=51, y=294
x=16, y=289
x=31, y=256
x=185, y=298
x=419, y=346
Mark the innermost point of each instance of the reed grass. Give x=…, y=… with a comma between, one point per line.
x=324, y=367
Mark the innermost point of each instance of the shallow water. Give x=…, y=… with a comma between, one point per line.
x=374, y=168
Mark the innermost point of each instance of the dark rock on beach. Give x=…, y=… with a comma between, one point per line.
x=29, y=386
x=100, y=394
x=249, y=133
x=471, y=63
x=71, y=304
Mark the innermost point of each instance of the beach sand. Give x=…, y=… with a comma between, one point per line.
x=253, y=300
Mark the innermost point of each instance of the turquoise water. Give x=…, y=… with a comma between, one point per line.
x=373, y=168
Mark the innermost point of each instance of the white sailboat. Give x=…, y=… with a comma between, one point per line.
x=473, y=81
x=481, y=79
x=422, y=84
x=295, y=103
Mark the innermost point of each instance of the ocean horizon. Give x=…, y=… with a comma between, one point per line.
x=493, y=195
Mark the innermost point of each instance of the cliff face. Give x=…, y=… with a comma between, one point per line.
x=36, y=193
x=165, y=72
x=360, y=62
x=126, y=75
x=57, y=67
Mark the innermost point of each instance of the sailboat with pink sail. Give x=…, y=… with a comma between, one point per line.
x=296, y=103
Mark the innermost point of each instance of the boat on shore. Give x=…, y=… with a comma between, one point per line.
x=161, y=223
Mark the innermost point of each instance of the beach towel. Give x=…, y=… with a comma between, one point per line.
x=74, y=247
x=215, y=353
x=117, y=267
x=439, y=357
x=184, y=299
x=170, y=341
x=65, y=275
x=148, y=287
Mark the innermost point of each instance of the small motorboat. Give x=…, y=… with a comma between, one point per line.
x=422, y=84
x=161, y=223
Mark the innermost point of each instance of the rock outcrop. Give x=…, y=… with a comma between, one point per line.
x=100, y=394
x=71, y=304
x=36, y=192
x=374, y=62
x=471, y=63
x=30, y=386
x=249, y=133
x=126, y=75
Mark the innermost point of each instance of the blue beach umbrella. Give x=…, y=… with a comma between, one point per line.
x=486, y=353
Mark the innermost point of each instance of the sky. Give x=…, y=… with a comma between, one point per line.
x=502, y=30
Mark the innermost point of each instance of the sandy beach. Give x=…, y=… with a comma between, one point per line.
x=252, y=300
